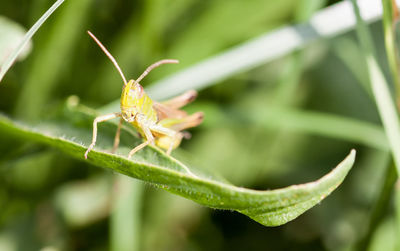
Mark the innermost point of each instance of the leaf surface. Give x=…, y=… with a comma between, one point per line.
x=270, y=207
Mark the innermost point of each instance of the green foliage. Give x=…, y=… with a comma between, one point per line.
x=61, y=39
x=283, y=103
x=380, y=89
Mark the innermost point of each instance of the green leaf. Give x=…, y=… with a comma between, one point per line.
x=270, y=208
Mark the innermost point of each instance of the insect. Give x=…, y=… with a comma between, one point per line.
x=160, y=124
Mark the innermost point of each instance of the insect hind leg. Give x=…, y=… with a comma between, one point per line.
x=168, y=132
x=181, y=100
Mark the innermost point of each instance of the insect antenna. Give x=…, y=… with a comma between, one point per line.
x=109, y=56
x=155, y=65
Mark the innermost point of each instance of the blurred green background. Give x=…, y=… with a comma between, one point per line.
x=50, y=201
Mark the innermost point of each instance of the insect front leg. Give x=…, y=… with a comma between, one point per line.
x=149, y=140
x=117, y=136
x=98, y=120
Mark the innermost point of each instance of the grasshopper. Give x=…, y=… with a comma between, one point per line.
x=160, y=124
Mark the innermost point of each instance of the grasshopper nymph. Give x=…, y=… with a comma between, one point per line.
x=157, y=123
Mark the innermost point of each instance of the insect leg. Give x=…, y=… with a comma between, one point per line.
x=149, y=140
x=171, y=145
x=168, y=132
x=181, y=100
x=183, y=123
x=137, y=148
x=98, y=120
x=117, y=136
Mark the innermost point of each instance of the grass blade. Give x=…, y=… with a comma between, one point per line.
x=390, y=15
x=55, y=53
x=380, y=89
x=327, y=125
x=13, y=56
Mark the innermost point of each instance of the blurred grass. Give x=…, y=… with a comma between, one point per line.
x=24, y=42
x=45, y=69
x=390, y=18
x=126, y=214
x=291, y=74
x=380, y=88
x=12, y=33
x=397, y=213
x=328, y=114
x=386, y=107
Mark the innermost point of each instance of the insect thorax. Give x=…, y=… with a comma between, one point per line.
x=134, y=102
